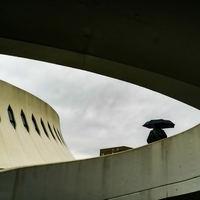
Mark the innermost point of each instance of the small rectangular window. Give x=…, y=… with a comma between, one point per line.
x=11, y=116
x=43, y=126
x=56, y=134
x=35, y=124
x=24, y=120
x=51, y=132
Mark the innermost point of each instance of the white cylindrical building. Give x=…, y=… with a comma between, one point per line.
x=29, y=130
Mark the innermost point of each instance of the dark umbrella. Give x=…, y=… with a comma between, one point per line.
x=163, y=123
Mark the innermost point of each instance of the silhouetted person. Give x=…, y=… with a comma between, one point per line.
x=156, y=134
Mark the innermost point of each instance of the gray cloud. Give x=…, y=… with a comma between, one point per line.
x=96, y=111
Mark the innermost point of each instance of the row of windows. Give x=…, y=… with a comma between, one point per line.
x=57, y=136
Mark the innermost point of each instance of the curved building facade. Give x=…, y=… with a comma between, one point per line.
x=29, y=130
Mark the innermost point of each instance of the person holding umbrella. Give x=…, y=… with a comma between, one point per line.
x=157, y=133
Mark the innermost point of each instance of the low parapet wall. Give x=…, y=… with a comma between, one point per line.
x=166, y=168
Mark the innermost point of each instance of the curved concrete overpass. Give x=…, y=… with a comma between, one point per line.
x=153, y=44
x=164, y=169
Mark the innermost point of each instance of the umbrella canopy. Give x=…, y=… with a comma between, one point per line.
x=163, y=123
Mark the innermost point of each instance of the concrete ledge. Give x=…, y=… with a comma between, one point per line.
x=164, y=169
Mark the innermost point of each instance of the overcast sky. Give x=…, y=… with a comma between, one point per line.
x=96, y=111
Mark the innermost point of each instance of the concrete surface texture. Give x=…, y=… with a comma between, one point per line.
x=154, y=44
x=21, y=144
x=167, y=168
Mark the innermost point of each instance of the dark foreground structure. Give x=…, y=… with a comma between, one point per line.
x=152, y=44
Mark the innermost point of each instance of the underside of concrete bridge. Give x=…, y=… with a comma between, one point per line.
x=154, y=44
